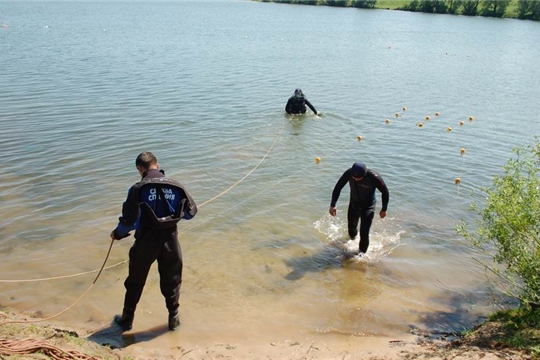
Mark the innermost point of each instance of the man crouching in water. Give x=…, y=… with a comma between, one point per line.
x=297, y=104
x=153, y=208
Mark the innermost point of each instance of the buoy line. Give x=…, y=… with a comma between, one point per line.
x=112, y=242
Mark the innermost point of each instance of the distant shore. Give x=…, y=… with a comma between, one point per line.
x=512, y=9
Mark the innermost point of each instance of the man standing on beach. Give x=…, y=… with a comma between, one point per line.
x=153, y=208
x=363, y=182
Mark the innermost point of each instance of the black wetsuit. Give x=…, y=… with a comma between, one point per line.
x=362, y=202
x=297, y=105
x=153, y=207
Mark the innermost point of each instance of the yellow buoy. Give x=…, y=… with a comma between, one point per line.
x=397, y=114
x=462, y=151
x=404, y=108
x=449, y=129
x=457, y=181
x=387, y=121
x=428, y=117
x=471, y=118
x=359, y=138
x=420, y=124
x=317, y=160
x=462, y=123
x=437, y=114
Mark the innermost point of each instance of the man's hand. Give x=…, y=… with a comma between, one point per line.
x=332, y=211
x=382, y=214
x=115, y=236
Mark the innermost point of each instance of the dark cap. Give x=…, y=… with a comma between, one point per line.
x=359, y=169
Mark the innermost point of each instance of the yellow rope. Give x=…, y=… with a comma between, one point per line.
x=64, y=276
x=69, y=307
x=123, y=262
x=110, y=247
x=249, y=173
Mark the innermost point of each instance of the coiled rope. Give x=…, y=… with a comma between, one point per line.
x=28, y=346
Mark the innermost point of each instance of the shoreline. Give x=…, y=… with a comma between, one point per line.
x=480, y=343
x=510, y=12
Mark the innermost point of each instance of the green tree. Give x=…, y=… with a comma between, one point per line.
x=366, y=4
x=452, y=6
x=528, y=9
x=494, y=8
x=412, y=6
x=509, y=228
x=339, y=3
x=470, y=7
x=433, y=6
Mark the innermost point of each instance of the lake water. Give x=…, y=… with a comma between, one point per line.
x=85, y=87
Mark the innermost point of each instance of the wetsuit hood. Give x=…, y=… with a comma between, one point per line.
x=359, y=169
x=298, y=93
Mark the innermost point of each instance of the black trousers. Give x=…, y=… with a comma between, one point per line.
x=355, y=214
x=163, y=246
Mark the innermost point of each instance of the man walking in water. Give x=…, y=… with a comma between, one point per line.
x=363, y=182
x=153, y=208
x=297, y=104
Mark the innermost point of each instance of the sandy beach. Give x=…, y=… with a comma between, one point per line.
x=39, y=338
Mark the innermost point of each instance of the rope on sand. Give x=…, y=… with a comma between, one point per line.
x=29, y=346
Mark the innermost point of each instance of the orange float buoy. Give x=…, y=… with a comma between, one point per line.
x=419, y=124
x=387, y=121
x=449, y=129
x=462, y=151
x=462, y=123
x=359, y=138
x=317, y=160
x=457, y=181
x=437, y=114
x=428, y=117
x=471, y=118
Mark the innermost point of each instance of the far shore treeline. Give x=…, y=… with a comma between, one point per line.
x=520, y=9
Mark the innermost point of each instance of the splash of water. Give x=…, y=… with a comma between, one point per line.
x=383, y=239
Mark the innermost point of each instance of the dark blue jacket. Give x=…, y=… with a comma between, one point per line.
x=155, y=202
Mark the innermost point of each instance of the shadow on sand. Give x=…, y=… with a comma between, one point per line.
x=113, y=336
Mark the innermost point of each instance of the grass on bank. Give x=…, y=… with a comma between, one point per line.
x=391, y=4
x=520, y=329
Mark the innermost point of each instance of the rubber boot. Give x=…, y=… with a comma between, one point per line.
x=125, y=321
x=174, y=321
